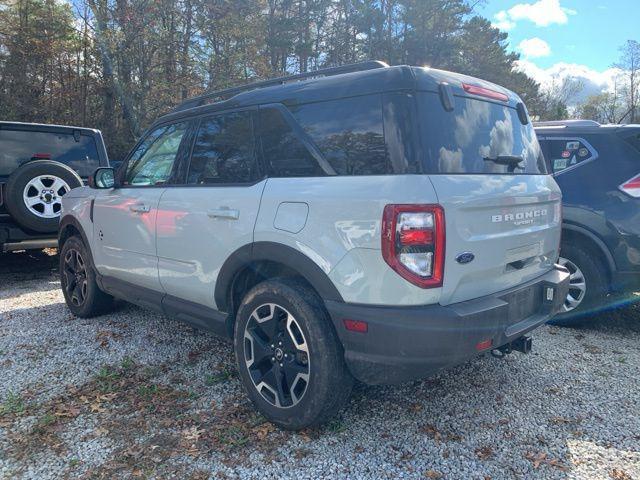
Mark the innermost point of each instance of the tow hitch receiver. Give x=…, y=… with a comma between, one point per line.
x=522, y=345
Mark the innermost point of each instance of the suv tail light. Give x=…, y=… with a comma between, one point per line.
x=632, y=186
x=413, y=241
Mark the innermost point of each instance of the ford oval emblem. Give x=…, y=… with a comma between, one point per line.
x=465, y=257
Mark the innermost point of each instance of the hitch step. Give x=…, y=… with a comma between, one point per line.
x=522, y=345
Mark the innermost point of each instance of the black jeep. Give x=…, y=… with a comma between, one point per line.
x=38, y=165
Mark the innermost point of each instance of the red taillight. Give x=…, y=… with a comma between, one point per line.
x=41, y=156
x=632, y=187
x=484, y=92
x=413, y=241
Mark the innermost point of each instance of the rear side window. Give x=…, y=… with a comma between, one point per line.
x=224, y=150
x=564, y=153
x=20, y=146
x=284, y=152
x=349, y=132
x=634, y=140
x=477, y=137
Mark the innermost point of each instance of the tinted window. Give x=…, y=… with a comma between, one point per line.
x=285, y=154
x=349, y=133
x=223, y=152
x=152, y=161
x=634, y=140
x=477, y=137
x=567, y=152
x=19, y=146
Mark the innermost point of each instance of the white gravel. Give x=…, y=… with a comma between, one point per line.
x=570, y=409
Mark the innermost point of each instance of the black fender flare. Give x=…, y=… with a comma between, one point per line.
x=597, y=241
x=273, y=252
x=69, y=220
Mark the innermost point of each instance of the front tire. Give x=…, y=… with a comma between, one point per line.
x=78, y=281
x=587, y=285
x=289, y=357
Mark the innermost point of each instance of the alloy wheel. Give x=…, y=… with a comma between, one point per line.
x=276, y=355
x=75, y=273
x=43, y=195
x=577, y=285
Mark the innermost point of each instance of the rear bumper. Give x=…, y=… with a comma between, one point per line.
x=408, y=343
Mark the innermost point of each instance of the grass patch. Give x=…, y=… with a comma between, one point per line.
x=223, y=375
x=13, y=404
x=147, y=391
x=108, y=379
x=47, y=419
x=127, y=363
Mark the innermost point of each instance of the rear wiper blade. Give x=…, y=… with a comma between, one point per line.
x=512, y=161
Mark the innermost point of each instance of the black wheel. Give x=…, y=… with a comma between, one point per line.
x=587, y=285
x=34, y=194
x=78, y=281
x=289, y=357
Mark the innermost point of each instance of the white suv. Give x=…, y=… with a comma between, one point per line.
x=367, y=222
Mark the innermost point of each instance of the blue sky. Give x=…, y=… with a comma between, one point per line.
x=567, y=39
x=591, y=36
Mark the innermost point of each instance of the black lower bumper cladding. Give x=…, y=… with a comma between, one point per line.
x=408, y=343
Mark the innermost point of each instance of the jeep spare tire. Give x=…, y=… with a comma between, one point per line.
x=34, y=194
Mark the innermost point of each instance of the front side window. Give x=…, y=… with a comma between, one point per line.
x=349, y=132
x=224, y=150
x=152, y=161
x=564, y=153
x=19, y=146
x=284, y=152
x=477, y=137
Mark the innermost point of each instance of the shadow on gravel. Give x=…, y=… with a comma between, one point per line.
x=31, y=265
x=623, y=316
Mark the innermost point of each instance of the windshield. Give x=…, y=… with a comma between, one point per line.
x=477, y=137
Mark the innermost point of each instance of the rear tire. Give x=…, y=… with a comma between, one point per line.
x=582, y=301
x=78, y=280
x=289, y=357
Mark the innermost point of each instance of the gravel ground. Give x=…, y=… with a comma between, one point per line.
x=133, y=394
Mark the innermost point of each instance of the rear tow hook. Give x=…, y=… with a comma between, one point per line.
x=522, y=345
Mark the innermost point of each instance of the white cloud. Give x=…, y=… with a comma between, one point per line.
x=502, y=21
x=542, y=13
x=592, y=81
x=534, y=47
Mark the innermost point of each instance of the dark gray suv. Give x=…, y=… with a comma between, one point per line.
x=598, y=170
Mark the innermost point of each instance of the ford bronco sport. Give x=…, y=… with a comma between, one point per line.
x=38, y=165
x=368, y=222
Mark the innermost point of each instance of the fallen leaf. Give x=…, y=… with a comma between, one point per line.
x=617, y=474
x=433, y=474
x=484, y=452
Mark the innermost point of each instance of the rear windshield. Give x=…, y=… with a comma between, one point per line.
x=20, y=146
x=477, y=137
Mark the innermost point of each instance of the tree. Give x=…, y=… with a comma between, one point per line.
x=629, y=63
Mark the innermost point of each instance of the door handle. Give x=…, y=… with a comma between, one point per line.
x=226, y=213
x=140, y=208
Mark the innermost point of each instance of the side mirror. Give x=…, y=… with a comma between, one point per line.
x=102, y=178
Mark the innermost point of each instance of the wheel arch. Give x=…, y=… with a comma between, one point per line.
x=591, y=240
x=70, y=226
x=258, y=261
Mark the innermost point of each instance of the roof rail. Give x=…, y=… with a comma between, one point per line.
x=230, y=92
x=567, y=123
